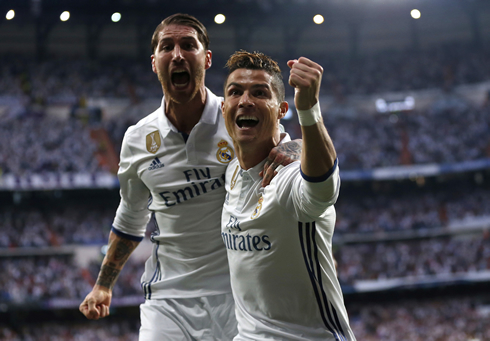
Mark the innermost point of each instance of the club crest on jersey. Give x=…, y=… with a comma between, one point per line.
x=224, y=154
x=153, y=141
x=256, y=212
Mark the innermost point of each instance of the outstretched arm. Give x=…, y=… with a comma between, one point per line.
x=318, y=153
x=96, y=304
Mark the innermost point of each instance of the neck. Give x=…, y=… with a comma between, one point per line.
x=184, y=116
x=251, y=154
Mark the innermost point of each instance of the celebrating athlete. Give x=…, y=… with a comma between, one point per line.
x=279, y=238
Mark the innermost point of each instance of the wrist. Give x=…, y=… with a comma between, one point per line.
x=101, y=287
x=311, y=116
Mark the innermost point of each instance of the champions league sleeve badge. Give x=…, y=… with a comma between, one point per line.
x=153, y=141
x=224, y=154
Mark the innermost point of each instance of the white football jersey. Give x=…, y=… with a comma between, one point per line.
x=279, y=244
x=183, y=184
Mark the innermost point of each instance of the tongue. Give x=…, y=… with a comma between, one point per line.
x=180, y=78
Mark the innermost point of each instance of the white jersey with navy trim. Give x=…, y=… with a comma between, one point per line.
x=182, y=183
x=279, y=244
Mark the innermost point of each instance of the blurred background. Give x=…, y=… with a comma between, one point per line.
x=405, y=97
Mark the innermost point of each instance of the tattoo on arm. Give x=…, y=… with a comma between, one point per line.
x=108, y=275
x=291, y=149
x=116, y=257
x=123, y=251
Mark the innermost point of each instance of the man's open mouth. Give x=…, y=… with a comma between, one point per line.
x=247, y=121
x=180, y=78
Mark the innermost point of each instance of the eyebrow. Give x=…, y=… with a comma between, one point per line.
x=182, y=38
x=261, y=85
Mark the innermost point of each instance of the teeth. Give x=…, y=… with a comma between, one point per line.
x=251, y=118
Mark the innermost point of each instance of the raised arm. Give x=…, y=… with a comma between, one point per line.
x=318, y=153
x=96, y=304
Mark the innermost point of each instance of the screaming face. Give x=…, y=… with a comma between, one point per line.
x=180, y=62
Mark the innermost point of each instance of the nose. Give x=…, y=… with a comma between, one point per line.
x=245, y=100
x=177, y=54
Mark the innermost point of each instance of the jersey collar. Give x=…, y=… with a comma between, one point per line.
x=212, y=110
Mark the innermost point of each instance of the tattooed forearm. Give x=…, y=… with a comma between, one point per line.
x=117, y=254
x=122, y=251
x=108, y=275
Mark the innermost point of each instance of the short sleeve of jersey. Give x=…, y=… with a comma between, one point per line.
x=132, y=215
x=306, y=200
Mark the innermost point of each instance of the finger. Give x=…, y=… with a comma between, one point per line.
x=104, y=311
x=268, y=178
x=91, y=315
x=306, y=75
x=277, y=160
x=292, y=62
x=92, y=311
x=309, y=63
x=266, y=167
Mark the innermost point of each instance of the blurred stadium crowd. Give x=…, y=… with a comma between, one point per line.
x=443, y=66
x=432, y=136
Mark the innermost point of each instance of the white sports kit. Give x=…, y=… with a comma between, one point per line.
x=182, y=183
x=279, y=244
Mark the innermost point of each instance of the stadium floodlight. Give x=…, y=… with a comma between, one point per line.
x=65, y=16
x=415, y=13
x=219, y=18
x=116, y=17
x=10, y=14
x=318, y=19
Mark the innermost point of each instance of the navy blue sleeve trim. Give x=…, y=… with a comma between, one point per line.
x=127, y=236
x=319, y=178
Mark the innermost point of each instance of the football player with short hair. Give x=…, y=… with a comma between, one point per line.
x=279, y=237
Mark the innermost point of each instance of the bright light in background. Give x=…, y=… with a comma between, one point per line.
x=65, y=16
x=116, y=17
x=10, y=14
x=289, y=115
x=318, y=19
x=219, y=18
x=415, y=13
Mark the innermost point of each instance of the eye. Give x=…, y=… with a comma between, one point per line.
x=260, y=93
x=233, y=92
x=166, y=48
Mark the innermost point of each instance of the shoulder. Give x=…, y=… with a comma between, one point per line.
x=287, y=172
x=145, y=126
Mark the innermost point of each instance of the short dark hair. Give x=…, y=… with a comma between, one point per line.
x=184, y=20
x=257, y=61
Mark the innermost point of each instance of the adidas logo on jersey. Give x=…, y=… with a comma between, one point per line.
x=155, y=164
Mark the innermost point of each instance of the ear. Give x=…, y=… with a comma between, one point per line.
x=209, y=59
x=222, y=108
x=283, y=107
x=154, y=69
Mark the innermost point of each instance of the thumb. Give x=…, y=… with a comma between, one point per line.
x=93, y=311
x=292, y=62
